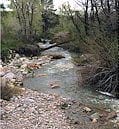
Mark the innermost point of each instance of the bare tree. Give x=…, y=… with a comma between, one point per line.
x=27, y=11
x=100, y=16
x=86, y=16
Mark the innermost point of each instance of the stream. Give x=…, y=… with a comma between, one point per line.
x=66, y=75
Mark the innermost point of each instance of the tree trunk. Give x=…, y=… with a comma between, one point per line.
x=86, y=18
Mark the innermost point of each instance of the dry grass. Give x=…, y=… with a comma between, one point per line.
x=8, y=92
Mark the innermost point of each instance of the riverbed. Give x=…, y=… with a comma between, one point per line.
x=65, y=74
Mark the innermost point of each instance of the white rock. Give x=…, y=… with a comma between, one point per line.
x=19, y=77
x=24, y=60
x=24, y=66
x=54, y=85
x=10, y=76
x=13, y=80
x=11, y=85
x=21, y=70
x=28, y=101
x=25, y=72
x=2, y=111
x=2, y=73
x=95, y=116
x=10, y=107
x=17, y=56
x=94, y=120
x=1, y=67
x=87, y=109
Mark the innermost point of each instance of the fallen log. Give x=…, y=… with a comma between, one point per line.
x=59, y=39
x=54, y=45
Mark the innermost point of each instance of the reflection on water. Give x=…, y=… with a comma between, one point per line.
x=66, y=75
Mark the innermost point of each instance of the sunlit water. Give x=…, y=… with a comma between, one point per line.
x=65, y=74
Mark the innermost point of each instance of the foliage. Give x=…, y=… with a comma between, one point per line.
x=7, y=44
x=66, y=25
x=94, y=29
x=28, y=14
x=9, y=38
x=96, y=32
x=49, y=20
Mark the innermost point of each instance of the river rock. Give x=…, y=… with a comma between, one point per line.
x=17, y=56
x=117, y=118
x=3, y=82
x=2, y=111
x=41, y=75
x=24, y=59
x=10, y=75
x=28, y=50
x=54, y=85
x=56, y=56
x=23, y=66
x=87, y=109
x=95, y=116
x=25, y=72
x=10, y=107
x=11, y=85
x=13, y=80
x=2, y=73
x=19, y=77
x=32, y=66
x=112, y=115
x=94, y=120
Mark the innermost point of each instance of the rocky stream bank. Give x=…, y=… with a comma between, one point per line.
x=31, y=109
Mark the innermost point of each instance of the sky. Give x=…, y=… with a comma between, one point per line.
x=6, y=2
x=57, y=3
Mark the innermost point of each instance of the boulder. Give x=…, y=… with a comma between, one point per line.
x=10, y=76
x=55, y=55
x=28, y=50
x=95, y=116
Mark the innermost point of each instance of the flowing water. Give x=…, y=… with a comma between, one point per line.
x=66, y=75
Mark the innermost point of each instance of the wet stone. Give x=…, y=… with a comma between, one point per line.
x=95, y=116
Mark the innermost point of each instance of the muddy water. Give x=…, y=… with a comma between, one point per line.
x=65, y=74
